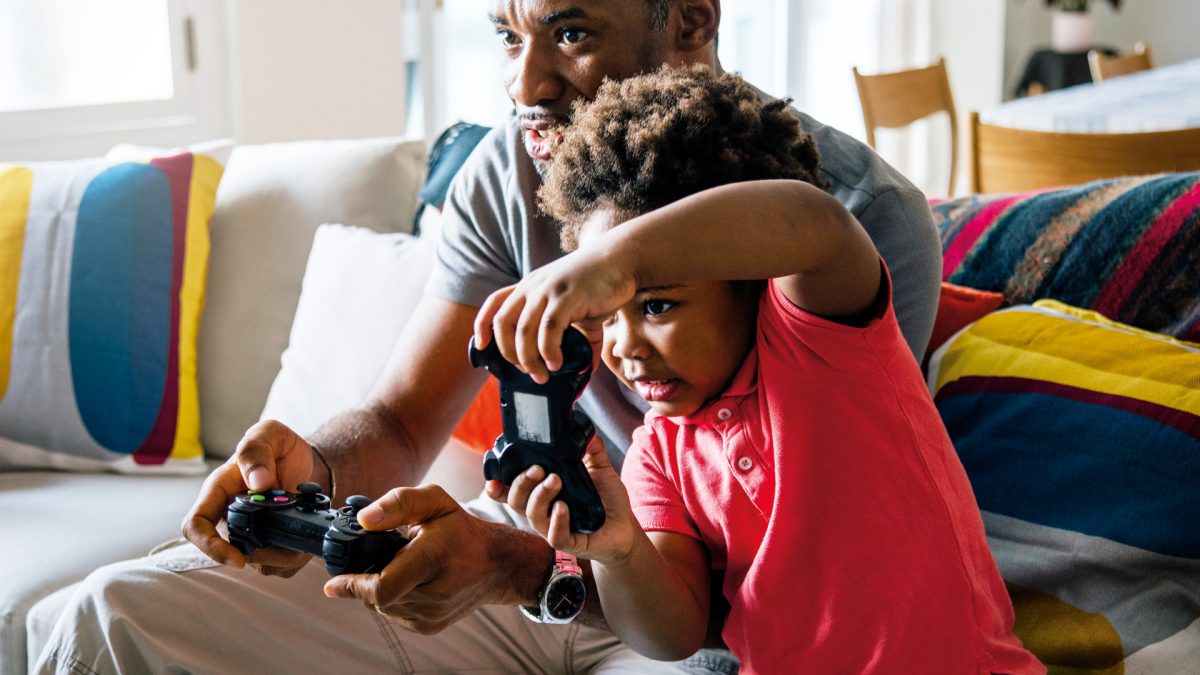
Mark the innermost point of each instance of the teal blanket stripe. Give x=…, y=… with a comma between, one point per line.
x=1128, y=248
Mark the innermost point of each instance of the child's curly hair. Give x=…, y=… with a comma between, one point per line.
x=647, y=141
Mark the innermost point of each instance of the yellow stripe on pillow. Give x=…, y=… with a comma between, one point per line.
x=16, y=183
x=1037, y=344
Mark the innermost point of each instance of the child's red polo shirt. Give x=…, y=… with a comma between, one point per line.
x=824, y=486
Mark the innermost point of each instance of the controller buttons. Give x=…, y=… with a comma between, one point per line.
x=745, y=463
x=724, y=414
x=280, y=500
x=257, y=498
x=277, y=492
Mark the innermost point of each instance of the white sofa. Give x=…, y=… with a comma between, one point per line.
x=61, y=525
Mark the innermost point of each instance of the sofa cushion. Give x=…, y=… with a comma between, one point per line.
x=1128, y=248
x=271, y=201
x=1081, y=438
x=102, y=275
x=359, y=289
x=60, y=526
x=958, y=307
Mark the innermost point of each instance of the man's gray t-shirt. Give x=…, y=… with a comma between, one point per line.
x=493, y=234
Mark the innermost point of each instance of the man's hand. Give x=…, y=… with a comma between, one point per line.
x=453, y=563
x=269, y=456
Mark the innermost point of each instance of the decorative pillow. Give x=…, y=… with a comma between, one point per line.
x=219, y=149
x=360, y=287
x=271, y=201
x=102, y=273
x=481, y=424
x=959, y=306
x=1128, y=248
x=1081, y=437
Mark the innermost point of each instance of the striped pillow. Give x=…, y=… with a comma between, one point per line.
x=1081, y=437
x=1128, y=248
x=102, y=272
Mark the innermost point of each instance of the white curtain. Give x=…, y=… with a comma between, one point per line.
x=805, y=49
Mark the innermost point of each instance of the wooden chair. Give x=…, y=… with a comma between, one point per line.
x=1011, y=160
x=1106, y=67
x=897, y=99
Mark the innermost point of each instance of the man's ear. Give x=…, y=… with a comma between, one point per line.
x=695, y=24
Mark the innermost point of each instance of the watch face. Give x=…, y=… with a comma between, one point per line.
x=565, y=597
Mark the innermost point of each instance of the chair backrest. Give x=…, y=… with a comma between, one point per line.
x=1011, y=160
x=897, y=99
x=1105, y=67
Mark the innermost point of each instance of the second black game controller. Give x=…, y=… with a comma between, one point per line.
x=542, y=426
x=303, y=521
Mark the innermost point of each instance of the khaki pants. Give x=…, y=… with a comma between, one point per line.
x=176, y=611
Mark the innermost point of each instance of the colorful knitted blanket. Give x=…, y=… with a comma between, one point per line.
x=1128, y=248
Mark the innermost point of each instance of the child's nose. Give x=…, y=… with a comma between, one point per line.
x=626, y=342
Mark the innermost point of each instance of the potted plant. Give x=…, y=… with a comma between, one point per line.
x=1071, y=27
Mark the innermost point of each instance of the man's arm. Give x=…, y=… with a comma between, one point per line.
x=456, y=561
x=395, y=435
x=390, y=440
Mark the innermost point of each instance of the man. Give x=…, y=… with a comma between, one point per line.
x=457, y=585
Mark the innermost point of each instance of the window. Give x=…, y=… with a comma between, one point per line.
x=76, y=78
x=456, y=75
x=60, y=54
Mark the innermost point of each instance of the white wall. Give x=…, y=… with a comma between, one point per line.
x=970, y=35
x=306, y=69
x=1169, y=26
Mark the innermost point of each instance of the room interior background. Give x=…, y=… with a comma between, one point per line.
x=173, y=72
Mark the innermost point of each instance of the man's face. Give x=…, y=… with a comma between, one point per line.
x=561, y=50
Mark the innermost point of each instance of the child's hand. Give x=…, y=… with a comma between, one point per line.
x=527, y=320
x=533, y=494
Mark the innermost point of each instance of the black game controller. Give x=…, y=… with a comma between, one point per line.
x=543, y=428
x=303, y=521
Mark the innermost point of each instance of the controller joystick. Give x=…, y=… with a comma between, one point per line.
x=542, y=426
x=305, y=521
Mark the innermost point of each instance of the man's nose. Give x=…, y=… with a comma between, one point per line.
x=533, y=78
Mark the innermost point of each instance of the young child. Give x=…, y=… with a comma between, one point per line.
x=791, y=448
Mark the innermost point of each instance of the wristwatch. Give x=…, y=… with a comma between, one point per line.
x=561, y=599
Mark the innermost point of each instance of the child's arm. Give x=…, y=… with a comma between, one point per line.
x=654, y=588
x=821, y=257
x=819, y=254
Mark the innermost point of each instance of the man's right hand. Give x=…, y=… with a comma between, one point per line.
x=270, y=455
x=454, y=563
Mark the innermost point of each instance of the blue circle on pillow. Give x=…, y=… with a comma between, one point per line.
x=119, y=326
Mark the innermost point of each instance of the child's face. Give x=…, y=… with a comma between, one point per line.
x=678, y=346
